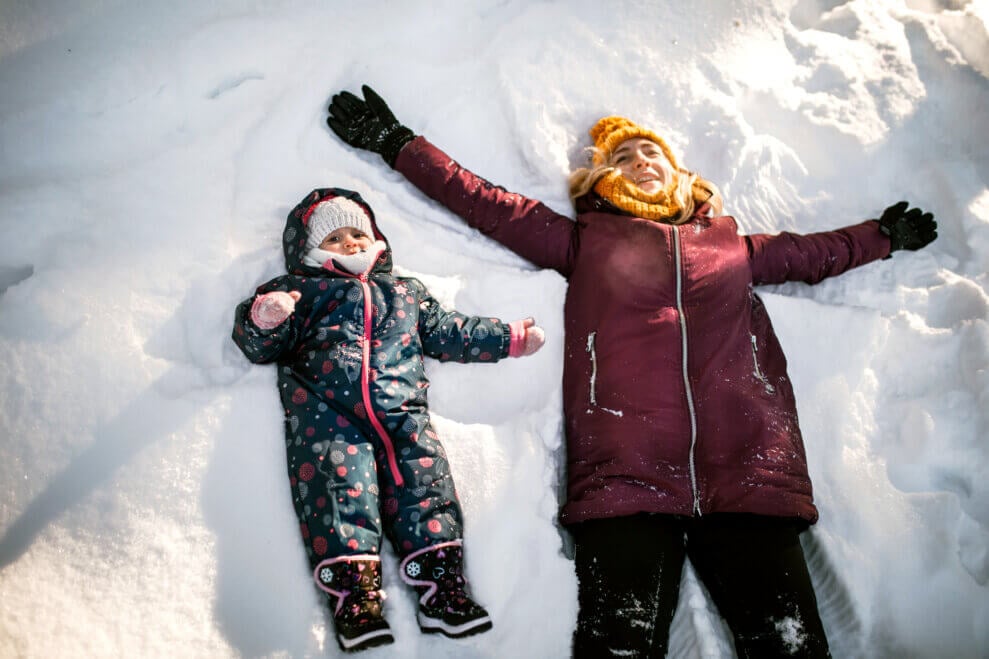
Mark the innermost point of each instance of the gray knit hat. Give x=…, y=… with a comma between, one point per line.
x=332, y=214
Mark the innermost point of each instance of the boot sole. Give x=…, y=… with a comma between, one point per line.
x=430, y=625
x=364, y=641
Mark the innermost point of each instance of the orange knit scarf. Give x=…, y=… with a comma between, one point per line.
x=659, y=205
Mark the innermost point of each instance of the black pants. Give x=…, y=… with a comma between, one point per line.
x=629, y=571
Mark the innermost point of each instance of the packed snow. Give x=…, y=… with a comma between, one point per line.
x=150, y=151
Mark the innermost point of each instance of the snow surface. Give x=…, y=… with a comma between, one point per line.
x=150, y=151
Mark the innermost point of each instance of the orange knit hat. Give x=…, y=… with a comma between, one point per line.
x=609, y=132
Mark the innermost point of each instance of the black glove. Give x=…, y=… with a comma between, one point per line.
x=368, y=124
x=907, y=229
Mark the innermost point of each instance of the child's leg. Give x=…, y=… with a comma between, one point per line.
x=335, y=493
x=335, y=487
x=755, y=571
x=424, y=519
x=628, y=572
x=424, y=510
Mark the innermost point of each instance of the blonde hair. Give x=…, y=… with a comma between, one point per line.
x=690, y=192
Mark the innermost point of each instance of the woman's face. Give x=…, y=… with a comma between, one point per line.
x=642, y=162
x=346, y=240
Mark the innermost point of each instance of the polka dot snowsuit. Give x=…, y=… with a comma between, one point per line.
x=363, y=459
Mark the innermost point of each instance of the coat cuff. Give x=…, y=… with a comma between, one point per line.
x=516, y=341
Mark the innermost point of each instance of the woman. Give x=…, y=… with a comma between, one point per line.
x=682, y=433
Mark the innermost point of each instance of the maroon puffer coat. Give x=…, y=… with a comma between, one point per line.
x=675, y=388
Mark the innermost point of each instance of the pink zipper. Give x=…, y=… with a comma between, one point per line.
x=366, y=385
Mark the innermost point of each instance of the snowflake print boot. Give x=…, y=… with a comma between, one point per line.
x=354, y=586
x=444, y=606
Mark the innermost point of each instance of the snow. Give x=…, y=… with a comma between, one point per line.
x=791, y=630
x=150, y=151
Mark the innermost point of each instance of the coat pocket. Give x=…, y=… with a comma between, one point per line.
x=592, y=395
x=757, y=372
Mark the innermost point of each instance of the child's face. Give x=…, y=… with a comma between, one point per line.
x=346, y=240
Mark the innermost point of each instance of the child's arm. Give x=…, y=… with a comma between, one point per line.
x=453, y=336
x=262, y=329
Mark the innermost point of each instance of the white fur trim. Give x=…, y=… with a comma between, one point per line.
x=355, y=264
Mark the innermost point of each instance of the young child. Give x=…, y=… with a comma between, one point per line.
x=349, y=338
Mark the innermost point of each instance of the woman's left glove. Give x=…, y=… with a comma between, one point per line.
x=368, y=124
x=907, y=229
x=527, y=338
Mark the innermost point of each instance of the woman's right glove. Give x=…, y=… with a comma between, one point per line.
x=527, y=338
x=907, y=229
x=271, y=309
x=368, y=124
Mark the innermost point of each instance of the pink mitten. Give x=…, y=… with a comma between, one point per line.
x=271, y=309
x=526, y=338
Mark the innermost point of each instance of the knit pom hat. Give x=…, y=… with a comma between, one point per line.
x=332, y=214
x=609, y=132
x=663, y=205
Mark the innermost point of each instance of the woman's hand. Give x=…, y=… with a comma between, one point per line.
x=368, y=124
x=527, y=338
x=907, y=229
x=271, y=309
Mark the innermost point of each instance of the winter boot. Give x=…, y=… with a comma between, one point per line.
x=354, y=586
x=444, y=606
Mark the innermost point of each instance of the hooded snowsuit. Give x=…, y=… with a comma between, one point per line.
x=363, y=459
x=675, y=389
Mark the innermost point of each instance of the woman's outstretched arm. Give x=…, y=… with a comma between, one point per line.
x=526, y=226
x=816, y=256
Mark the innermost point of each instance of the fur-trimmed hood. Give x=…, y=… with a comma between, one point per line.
x=295, y=234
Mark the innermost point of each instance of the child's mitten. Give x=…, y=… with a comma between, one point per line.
x=526, y=338
x=271, y=309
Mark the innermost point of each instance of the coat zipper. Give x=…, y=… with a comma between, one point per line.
x=686, y=377
x=366, y=384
